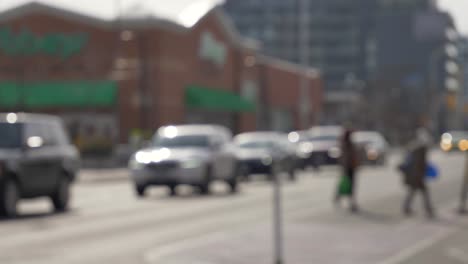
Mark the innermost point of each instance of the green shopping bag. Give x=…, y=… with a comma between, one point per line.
x=344, y=187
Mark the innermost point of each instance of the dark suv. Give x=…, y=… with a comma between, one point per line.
x=36, y=159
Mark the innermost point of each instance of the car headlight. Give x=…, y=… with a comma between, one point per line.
x=463, y=145
x=372, y=154
x=267, y=160
x=446, y=146
x=305, y=149
x=334, y=153
x=143, y=157
x=192, y=164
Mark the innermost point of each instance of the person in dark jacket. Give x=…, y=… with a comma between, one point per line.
x=349, y=164
x=415, y=173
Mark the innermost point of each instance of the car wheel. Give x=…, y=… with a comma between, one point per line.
x=243, y=172
x=205, y=186
x=274, y=170
x=9, y=199
x=292, y=175
x=172, y=190
x=234, y=181
x=233, y=185
x=61, y=197
x=140, y=190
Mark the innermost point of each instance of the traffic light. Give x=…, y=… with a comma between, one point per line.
x=451, y=101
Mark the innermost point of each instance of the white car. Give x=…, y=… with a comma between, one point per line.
x=193, y=155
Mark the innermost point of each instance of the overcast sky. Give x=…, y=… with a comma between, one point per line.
x=459, y=9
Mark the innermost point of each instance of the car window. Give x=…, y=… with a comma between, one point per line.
x=201, y=141
x=10, y=135
x=325, y=138
x=262, y=144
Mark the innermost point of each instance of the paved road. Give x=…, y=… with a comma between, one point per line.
x=107, y=224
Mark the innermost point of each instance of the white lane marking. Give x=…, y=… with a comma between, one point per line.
x=457, y=254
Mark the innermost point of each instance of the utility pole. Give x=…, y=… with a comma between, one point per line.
x=304, y=56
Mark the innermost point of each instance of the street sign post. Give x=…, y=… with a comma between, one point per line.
x=277, y=219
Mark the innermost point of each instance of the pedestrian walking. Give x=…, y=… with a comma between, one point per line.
x=464, y=193
x=414, y=171
x=349, y=163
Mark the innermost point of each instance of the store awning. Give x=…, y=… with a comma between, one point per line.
x=216, y=99
x=58, y=94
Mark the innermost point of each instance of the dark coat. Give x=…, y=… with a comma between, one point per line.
x=415, y=175
x=349, y=155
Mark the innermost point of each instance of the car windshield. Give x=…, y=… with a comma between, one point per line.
x=10, y=135
x=197, y=141
x=303, y=137
x=260, y=144
x=324, y=138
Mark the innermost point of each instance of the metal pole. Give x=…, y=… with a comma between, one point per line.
x=304, y=53
x=278, y=221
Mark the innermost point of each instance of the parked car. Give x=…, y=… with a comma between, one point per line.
x=36, y=159
x=193, y=155
x=303, y=147
x=323, y=146
x=264, y=153
x=454, y=141
x=373, y=147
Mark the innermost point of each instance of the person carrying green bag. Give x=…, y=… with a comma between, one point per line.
x=345, y=186
x=349, y=162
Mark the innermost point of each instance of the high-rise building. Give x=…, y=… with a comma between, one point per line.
x=463, y=77
x=327, y=34
x=385, y=51
x=338, y=35
x=411, y=58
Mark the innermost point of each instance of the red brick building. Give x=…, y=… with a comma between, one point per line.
x=108, y=77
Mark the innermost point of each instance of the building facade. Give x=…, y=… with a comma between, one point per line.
x=372, y=50
x=113, y=79
x=411, y=67
x=331, y=35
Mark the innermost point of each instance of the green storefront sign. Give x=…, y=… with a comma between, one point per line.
x=36, y=95
x=25, y=42
x=216, y=99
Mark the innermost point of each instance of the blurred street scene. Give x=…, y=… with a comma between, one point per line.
x=233, y=131
x=107, y=224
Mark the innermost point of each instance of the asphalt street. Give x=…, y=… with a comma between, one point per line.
x=108, y=224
